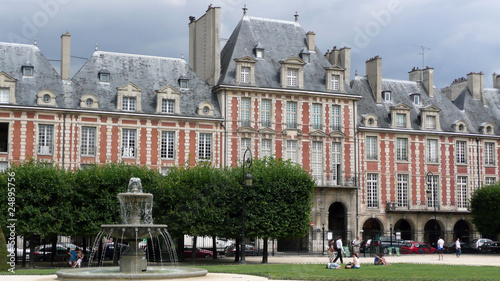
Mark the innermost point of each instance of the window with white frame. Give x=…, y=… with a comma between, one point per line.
x=335, y=82
x=317, y=161
x=266, y=148
x=432, y=183
x=167, y=105
x=402, y=190
x=489, y=153
x=461, y=192
x=291, y=151
x=416, y=99
x=184, y=83
x=430, y=121
x=372, y=191
x=128, y=143
x=432, y=150
x=45, y=139
x=291, y=114
x=461, y=152
x=3, y=166
x=167, y=150
x=387, y=95
x=245, y=74
x=4, y=95
x=88, y=141
x=336, y=163
x=292, y=77
x=400, y=120
x=245, y=143
x=402, y=149
x=371, y=148
x=205, y=146
x=490, y=180
x=245, y=112
x=4, y=137
x=336, y=117
x=129, y=103
x=316, y=116
x=265, y=113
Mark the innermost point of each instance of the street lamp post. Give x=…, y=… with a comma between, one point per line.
x=391, y=234
x=323, y=239
x=247, y=181
x=432, y=195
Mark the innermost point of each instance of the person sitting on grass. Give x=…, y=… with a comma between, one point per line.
x=379, y=260
x=332, y=265
x=356, y=263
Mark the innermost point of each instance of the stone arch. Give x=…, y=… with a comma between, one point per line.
x=406, y=228
x=433, y=229
x=462, y=229
x=372, y=228
x=337, y=220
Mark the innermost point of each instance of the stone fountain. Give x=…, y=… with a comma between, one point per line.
x=137, y=224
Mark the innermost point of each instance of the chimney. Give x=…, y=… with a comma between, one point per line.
x=65, y=56
x=374, y=75
x=415, y=75
x=496, y=81
x=475, y=83
x=428, y=81
x=310, y=40
x=204, y=45
x=342, y=58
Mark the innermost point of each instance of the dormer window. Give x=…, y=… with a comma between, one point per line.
x=245, y=70
x=46, y=97
x=245, y=74
x=400, y=115
x=401, y=120
x=292, y=77
x=104, y=75
x=168, y=100
x=416, y=98
x=205, y=109
x=335, y=82
x=460, y=126
x=305, y=55
x=7, y=88
x=430, y=118
x=129, y=97
x=259, y=51
x=129, y=103
x=183, y=82
x=4, y=95
x=487, y=129
x=27, y=70
x=386, y=95
x=89, y=101
x=292, y=73
x=334, y=78
x=370, y=120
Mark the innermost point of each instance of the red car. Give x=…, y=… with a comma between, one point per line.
x=417, y=248
x=188, y=252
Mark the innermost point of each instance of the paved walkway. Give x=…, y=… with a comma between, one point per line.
x=475, y=260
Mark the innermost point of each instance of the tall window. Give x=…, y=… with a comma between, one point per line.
x=266, y=148
x=432, y=150
x=167, y=145
x=167, y=106
x=316, y=116
x=291, y=77
x=245, y=112
x=317, y=161
x=245, y=143
x=461, y=152
x=431, y=122
x=88, y=141
x=129, y=103
x=128, y=143
x=371, y=148
x=291, y=114
x=372, y=190
x=245, y=74
x=205, y=147
x=265, y=113
x=45, y=139
x=432, y=186
x=335, y=82
x=4, y=137
x=400, y=120
x=461, y=192
x=4, y=95
x=402, y=149
x=336, y=168
x=387, y=95
x=402, y=190
x=336, y=117
x=291, y=150
x=489, y=153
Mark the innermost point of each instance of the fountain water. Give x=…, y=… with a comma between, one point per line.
x=137, y=224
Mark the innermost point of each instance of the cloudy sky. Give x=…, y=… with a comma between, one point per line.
x=458, y=37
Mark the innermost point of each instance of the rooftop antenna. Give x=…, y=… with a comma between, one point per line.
x=245, y=9
x=423, y=54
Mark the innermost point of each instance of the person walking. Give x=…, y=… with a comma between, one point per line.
x=458, y=247
x=440, y=244
x=331, y=251
x=339, y=249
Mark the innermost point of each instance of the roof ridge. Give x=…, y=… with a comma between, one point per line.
x=96, y=53
x=273, y=20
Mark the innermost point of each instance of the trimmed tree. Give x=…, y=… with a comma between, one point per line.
x=485, y=209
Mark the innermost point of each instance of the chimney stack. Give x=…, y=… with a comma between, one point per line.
x=475, y=83
x=310, y=40
x=428, y=81
x=374, y=75
x=415, y=75
x=496, y=81
x=65, y=56
x=342, y=58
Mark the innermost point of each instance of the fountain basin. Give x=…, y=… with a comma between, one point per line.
x=113, y=273
x=128, y=231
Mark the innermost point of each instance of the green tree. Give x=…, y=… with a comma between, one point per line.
x=485, y=209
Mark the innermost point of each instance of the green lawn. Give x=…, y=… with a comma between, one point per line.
x=367, y=272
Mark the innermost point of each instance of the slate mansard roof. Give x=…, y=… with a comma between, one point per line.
x=149, y=73
x=14, y=56
x=280, y=40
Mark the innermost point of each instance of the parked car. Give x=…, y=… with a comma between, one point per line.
x=465, y=248
x=385, y=241
x=249, y=250
x=44, y=253
x=417, y=248
x=109, y=250
x=188, y=252
x=491, y=247
x=19, y=251
x=370, y=245
x=477, y=243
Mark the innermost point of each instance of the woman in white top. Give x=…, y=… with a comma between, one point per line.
x=356, y=262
